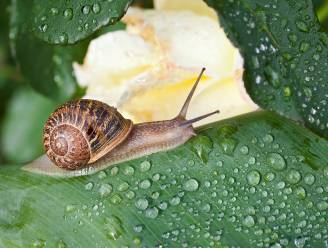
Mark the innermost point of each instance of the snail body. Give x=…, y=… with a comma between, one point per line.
x=85, y=136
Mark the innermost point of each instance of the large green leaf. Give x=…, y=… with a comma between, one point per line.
x=285, y=55
x=48, y=68
x=254, y=180
x=62, y=21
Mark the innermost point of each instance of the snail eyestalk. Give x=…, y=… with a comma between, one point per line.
x=191, y=121
x=184, y=109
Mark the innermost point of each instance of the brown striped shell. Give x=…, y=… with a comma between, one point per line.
x=82, y=131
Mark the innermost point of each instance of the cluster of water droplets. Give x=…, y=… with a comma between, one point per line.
x=256, y=189
x=62, y=24
x=283, y=49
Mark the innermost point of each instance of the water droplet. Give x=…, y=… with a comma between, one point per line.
x=281, y=185
x=151, y=213
x=130, y=194
x=114, y=171
x=228, y=145
x=54, y=11
x=141, y=204
x=300, y=192
x=63, y=38
x=276, y=161
x=102, y=175
x=268, y=138
x=70, y=208
x=175, y=201
x=269, y=176
x=136, y=241
x=248, y=221
x=68, y=14
x=300, y=242
x=309, y=179
x=86, y=9
x=128, y=171
x=145, y=184
x=123, y=186
x=105, y=189
x=163, y=205
x=293, y=176
x=253, y=178
x=116, y=199
x=138, y=228
x=244, y=150
x=88, y=186
x=96, y=8
x=202, y=146
x=325, y=171
x=43, y=28
x=145, y=166
x=323, y=205
x=114, y=228
x=191, y=185
x=206, y=208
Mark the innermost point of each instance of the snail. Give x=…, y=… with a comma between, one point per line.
x=85, y=136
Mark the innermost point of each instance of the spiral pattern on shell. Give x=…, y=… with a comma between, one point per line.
x=82, y=131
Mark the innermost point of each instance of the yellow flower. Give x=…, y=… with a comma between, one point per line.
x=147, y=70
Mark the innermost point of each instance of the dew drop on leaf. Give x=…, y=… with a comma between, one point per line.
x=113, y=227
x=276, y=161
x=141, y=204
x=128, y=171
x=253, y=178
x=54, y=11
x=248, y=221
x=96, y=8
x=309, y=179
x=191, y=185
x=145, y=184
x=268, y=138
x=105, y=189
x=68, y=14
x=144, y=166
x=293, y=176
x=244, y=150
x=123, y=186
x=151, y=213
x=88, y=186
x=202, y=146
x=86, y=9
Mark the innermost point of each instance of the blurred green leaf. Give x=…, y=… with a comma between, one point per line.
x=21, y=132
x=269, y=188
x=62, y=22
x=285, y=55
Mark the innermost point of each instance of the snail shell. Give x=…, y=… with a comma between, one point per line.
x=82, y=131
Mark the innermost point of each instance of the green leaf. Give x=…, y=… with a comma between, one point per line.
x=47, y=68
x=21, y=131
x=285, y=55
x=268, y=187
x=62, y=22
